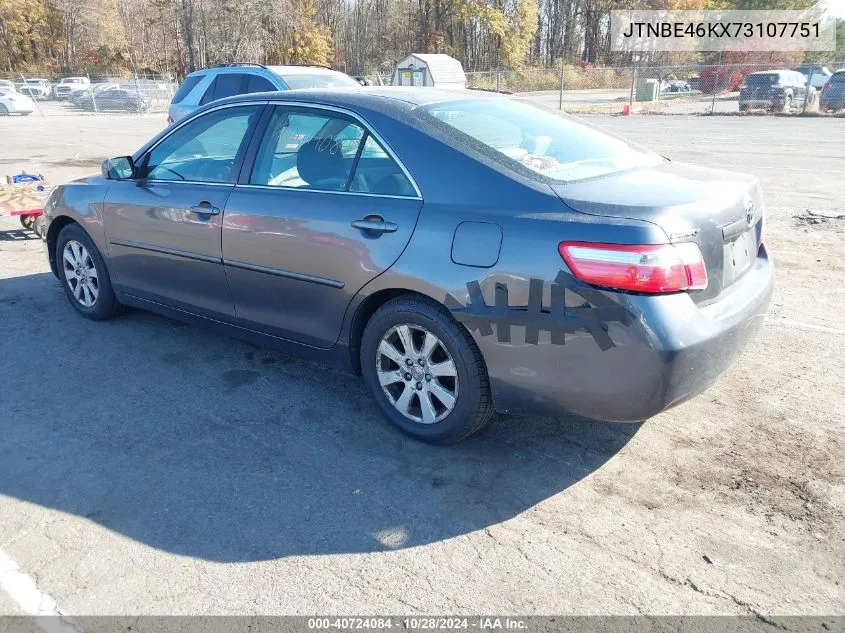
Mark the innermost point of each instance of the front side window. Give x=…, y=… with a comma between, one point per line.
x=307, y=150
x=203, y=150
x=535, y=141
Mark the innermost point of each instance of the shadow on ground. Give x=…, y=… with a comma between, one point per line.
x=18, y=235
x=200, y=445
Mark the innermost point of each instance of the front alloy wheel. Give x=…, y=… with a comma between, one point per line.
x=417, y=373
x=83, y=273
x=80, y=273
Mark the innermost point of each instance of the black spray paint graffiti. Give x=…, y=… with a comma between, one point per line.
x=559, y=320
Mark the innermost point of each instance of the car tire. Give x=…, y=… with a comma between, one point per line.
x=4, y=111
x=452, y=355
x=91, y=294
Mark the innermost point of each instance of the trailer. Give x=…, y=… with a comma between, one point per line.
x=23, y=196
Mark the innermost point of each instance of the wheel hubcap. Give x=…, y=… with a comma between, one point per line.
x=80, y=273
x=417, y=373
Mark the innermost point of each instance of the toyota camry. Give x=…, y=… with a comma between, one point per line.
x=464, y=252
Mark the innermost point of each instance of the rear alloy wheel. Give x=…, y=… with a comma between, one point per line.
x=4, y=111
x=83, y=274
x=425, y=371
x=417, y=374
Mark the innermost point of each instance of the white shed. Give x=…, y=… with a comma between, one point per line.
x=428, y=69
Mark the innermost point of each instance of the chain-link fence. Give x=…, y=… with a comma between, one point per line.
x=49, y=95
x=677, y=89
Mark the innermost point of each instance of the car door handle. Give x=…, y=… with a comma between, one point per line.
x=206, y=208
x=375, y=224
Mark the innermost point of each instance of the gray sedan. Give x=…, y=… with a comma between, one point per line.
x=465, y=252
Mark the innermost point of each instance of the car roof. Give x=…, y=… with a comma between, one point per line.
x=303, y=70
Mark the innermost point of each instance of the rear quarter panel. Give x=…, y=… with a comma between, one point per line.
x=549, y=342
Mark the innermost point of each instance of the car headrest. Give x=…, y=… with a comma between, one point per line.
x=319, y=160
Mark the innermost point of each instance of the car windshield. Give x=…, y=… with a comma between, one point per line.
x=548, y=144
x=318, y=80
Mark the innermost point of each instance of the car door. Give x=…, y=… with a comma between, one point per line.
x=321, y=208
x=163, y=226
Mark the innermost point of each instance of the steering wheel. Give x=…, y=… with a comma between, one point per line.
x=175, y=173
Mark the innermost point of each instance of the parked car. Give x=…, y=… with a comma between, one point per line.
x=218, y=82
x=7, y=85
x=12, y=102
x=82, y=98
x=820, y=74
x=412, y=234
x=35, y=88
x=833, y=94
x=677, y=86
x=694, y=83
x=69, y=85
x=773, y=90
x=117, y=99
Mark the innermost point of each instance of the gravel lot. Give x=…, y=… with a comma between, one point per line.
x=148, y=467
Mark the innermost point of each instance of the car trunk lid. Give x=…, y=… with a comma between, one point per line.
x=720, y=211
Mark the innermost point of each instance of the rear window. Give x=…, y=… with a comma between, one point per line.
x=547, y=144
x=837, y=78
x=764, y=79
x=189, y=84
x=318, y=80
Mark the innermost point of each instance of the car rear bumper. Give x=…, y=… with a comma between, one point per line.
x=761, y=103
x=667, y=351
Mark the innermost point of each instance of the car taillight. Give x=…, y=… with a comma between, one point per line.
x=651, y=268
x=826, y=86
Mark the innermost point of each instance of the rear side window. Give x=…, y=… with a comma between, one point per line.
x=838, y=78
x=257, y=83
x=307, y=150
x=225, y=85
x=189, y=84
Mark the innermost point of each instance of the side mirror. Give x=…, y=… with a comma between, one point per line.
x=120, y=168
